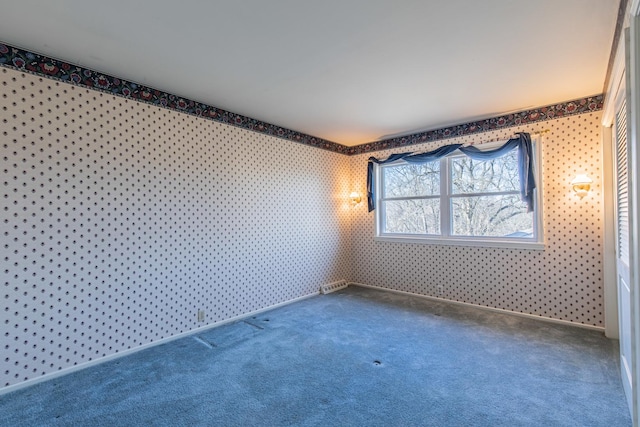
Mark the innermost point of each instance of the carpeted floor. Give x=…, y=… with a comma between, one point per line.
x=358, y=357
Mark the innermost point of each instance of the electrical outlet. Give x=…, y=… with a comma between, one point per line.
x=200, y=315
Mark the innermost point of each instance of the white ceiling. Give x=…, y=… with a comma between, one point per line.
x=349, y=71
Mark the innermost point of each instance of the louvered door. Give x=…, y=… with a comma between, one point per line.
x=622, y=245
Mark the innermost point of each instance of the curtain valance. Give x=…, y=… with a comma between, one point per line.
x=525, y=163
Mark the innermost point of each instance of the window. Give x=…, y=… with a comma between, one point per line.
x=457, y=200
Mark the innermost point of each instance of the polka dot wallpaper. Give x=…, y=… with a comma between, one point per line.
x=120, y=220
x=563, y=282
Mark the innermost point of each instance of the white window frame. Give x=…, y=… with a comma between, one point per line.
x=445, y=238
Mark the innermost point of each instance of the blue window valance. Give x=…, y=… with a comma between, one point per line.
x=525, y=164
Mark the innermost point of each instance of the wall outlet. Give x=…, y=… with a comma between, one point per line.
x=200, y=315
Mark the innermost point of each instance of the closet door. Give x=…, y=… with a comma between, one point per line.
x=621, y=153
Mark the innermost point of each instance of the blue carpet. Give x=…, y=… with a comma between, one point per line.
x=358, y=357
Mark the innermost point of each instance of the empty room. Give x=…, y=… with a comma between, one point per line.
x=336, y=213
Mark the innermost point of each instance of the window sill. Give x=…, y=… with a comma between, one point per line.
x=506, y=244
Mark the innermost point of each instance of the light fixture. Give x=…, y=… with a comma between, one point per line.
x=581, y=185
x=354, y=198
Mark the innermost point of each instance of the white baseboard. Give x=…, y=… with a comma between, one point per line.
x=496, y=310
x=75, y=368
x=333, y=287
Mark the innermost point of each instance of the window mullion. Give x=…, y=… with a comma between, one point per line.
x=445, y=203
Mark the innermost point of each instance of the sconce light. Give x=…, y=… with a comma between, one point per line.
x=354, y=198
x=581, y=185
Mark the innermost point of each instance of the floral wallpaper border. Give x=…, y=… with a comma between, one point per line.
x=44, y=66
x=555, y=111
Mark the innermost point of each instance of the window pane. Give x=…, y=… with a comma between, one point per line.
x=498, y=216
x=411, y=180
x=412, y=216
x=473, y=176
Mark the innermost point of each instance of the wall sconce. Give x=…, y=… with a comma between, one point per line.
x=354, y=198
x=581, y=185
